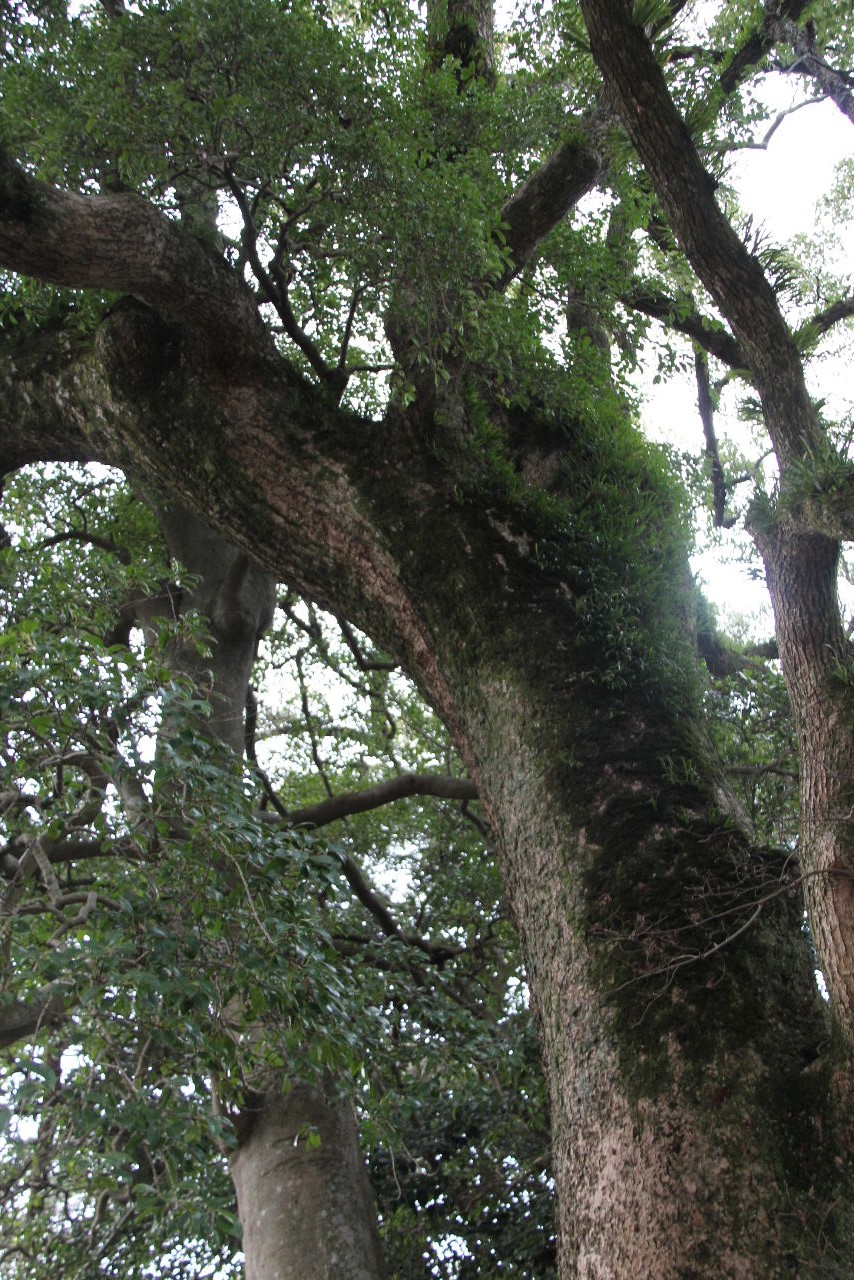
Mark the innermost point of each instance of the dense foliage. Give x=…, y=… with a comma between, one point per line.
x=148, y=894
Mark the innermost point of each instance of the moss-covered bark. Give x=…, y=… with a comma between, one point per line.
x=693, y=1089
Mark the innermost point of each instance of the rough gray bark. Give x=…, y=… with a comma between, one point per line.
x=799, y=540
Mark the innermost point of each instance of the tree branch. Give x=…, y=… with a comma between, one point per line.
x=358, y=882
x=90, y=539
x=123, y=244
x=731, y=274
x=364, y=664
x=275, y=287
x=24, y=1019
x=823, y=321
x=352, y=802
x=762, y=145
x=808, y=62
x=707, y=417
x=758, y=43
x=549, y=194
x=706, y=332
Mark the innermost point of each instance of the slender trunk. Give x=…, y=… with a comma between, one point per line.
x=801, y=571
x=303, y=1194
x=305, y=1206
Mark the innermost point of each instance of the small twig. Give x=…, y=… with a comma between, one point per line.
x=707, y=417
x=438, y=952
x=762, y=145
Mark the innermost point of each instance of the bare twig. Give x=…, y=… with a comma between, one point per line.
x=352, y=643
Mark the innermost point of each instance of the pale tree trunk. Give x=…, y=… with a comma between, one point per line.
x=305, y=1203
x=303, y=1195
x=801, y=569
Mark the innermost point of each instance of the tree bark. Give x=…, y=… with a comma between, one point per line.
x=801, y=560
x=303, y=1194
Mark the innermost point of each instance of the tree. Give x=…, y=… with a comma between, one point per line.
x=358, y=394
x=174, y=1045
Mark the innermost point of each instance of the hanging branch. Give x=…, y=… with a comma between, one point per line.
x=310, y=726
x=352, y=643
x=706, y=332
x=438, y=952
x=276, y=289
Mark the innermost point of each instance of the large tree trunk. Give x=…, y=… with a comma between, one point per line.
x=691, y=1108
x=692, y=1085
x=303, y=1195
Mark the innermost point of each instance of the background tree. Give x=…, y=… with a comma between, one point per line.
x=488, y=512
x=126, y=1161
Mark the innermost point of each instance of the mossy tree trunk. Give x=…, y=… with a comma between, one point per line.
x=691, y=1082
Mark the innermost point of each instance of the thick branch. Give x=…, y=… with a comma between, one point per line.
x=546, y=198
x=823, y=321
x=808, y=62
x=24, y=1019
x=732, y=275
x=758, y=44
x=54, y=400
x=122, y=244
x=353, y=802
x=707, y=333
